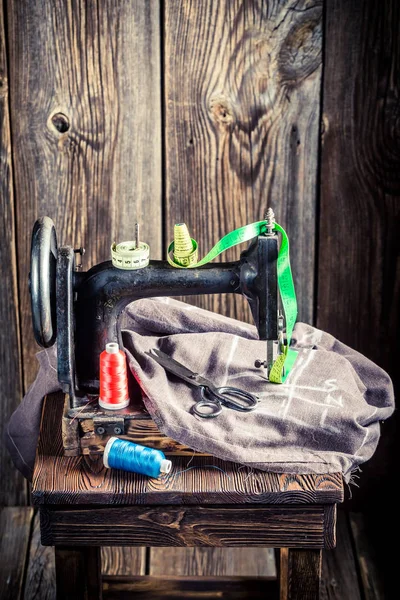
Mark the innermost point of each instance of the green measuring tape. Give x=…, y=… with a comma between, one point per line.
x=285, y=283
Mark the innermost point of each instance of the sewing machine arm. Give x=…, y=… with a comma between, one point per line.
x=82, y=309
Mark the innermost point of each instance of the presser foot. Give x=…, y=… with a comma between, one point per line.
x=273, y=351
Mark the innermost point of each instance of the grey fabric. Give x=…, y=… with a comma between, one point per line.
x=323, y=419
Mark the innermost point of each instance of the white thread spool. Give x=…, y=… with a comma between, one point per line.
x=130, y=255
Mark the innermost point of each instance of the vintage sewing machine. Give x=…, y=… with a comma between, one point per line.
x=81, y=311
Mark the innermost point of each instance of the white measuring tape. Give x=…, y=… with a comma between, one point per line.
x=128, y=256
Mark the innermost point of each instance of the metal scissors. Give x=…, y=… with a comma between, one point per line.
x=212, y=397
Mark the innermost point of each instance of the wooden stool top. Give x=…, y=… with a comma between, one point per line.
x=60, y=479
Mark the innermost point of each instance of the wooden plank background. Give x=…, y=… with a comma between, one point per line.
x=206, y=112
x=13, y=489
x=359, y=243
x=242, y=88
x=86, y=123
x=359, y=224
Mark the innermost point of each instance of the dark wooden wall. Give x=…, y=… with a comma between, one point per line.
x=359, y=214
x=358, y=298
x=114, y=111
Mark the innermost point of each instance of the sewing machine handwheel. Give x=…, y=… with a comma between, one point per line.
x=42, y=281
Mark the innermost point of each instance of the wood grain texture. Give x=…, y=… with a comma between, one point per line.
x=330, y=524
x=360, y=212
x=373, y=586
x=40, y=581
x=13, y=489
x=190, y=588
x=242, y=97
x=272, y=526
x=60, y=479
x=359, y=249
x=79, y=436
x=41, y=577
x=300, y=574
x=141, y=430
x=15, y=524
x=207, y=562
x=86, y=122
x=339, y=572
x=123, y=561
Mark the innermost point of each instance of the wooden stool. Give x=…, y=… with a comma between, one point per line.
x=84, y=506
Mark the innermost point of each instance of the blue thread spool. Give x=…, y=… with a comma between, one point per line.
x=128, y=456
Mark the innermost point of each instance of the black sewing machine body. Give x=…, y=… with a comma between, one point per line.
x=81, y=309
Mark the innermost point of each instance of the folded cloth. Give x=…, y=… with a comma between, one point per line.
x=323, y=419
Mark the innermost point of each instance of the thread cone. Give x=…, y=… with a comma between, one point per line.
x=183, y=245
x=185, y=249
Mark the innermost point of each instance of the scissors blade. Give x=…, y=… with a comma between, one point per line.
x=173, y=366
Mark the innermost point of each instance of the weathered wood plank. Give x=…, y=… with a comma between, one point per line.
x=141, y=431
x=15, y=524
x=360, y=179
x=123, y=561
x=330, y=524
x=272, y=526
x=41, y=577
x=300, y=574
x=190, y=588
x=339, y=570
x=373, y=588
x=359, y=275
x=242, y=97
x=13, y=488
x=86, y=121
x=209, y=562
x=60, y=479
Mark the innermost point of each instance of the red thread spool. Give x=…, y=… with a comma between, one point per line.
x=113, y=378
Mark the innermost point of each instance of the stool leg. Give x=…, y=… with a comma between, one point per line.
x=78, y=573
x=300, y=574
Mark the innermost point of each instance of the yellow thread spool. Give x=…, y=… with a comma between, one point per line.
x=185, y=248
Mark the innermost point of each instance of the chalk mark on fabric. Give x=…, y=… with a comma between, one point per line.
x=331, y=387
x=297, y=374
x=230, y=358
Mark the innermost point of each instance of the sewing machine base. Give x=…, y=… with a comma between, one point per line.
x=87, y=428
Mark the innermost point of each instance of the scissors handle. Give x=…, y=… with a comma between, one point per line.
x=212, y=400
x=207, y=408
x=235, y=398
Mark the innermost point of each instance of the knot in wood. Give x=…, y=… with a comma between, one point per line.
x=60, y=122
x=170, y=518
x=221, y=110
x=301, y=52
